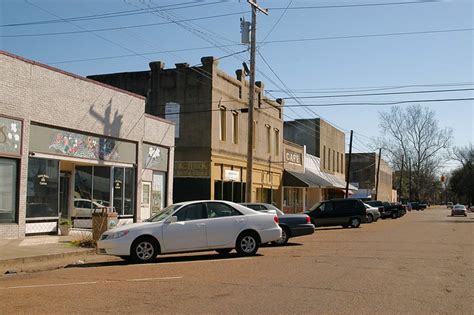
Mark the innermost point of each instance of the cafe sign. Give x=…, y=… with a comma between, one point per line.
x=293, y=157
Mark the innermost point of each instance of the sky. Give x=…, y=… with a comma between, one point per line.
x=306, y=48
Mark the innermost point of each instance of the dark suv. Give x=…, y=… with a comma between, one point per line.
x=345, y=212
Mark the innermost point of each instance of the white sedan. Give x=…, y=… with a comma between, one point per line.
x=192, y=226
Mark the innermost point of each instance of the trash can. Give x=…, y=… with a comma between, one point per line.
x=103, y=219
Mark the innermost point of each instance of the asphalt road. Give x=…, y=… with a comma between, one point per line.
x=421, y=263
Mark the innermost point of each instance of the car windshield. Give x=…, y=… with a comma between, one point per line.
x=315, y=206
x=163, y=214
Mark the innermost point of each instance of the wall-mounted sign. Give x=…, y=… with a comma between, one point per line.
x=191, y=169
x=231, y=175
x=293, y=157
x=55, y=141
x=155, y=157
x=10, y=136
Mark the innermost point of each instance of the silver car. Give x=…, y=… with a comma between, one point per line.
x=373, y=213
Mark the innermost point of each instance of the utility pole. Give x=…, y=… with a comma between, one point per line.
x=409, y=179
x=400, y=184
x=378, y=174
x=253, y=43
x=348, y=175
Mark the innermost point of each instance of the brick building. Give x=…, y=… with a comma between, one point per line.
x=364, y=175
x=211, y=129
x=70, y=144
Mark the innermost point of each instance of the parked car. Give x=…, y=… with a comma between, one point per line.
x=373, y=213
x=387, y=210
x=471, y=208
x=292, y=225
x=449, y=205
x=459, y=210
x=417, y=206
x=345, y=212
x=192, y=226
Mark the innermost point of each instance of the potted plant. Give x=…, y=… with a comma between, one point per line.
x=65, y=226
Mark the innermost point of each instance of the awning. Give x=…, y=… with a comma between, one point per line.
x=307, y=179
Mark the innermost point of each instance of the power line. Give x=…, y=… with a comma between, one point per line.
x=385, y=103
x=372, y=88
x=118, y=27
x=356, y=5
x=114, y=14
x=270, y=42
x=383, y=94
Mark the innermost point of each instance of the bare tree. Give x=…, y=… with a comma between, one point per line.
x=413, y=135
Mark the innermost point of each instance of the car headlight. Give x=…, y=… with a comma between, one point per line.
x=117, y=235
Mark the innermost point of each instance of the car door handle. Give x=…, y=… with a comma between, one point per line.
x=201, y=224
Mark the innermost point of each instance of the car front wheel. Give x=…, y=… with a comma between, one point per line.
x=144, y=250
x=247, y=244
x=354, y=222
x=285, y=236
x=370, y=218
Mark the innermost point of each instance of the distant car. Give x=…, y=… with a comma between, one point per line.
x=417, y=206
x=471, y=208
x=83, y=208
x=192, y=226
x=459, y=210
x=345, y=212
x=449, y=205
x=373, y=213
x=292, y=225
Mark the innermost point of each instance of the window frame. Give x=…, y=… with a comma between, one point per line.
x=203, y=211
x=222, y=204
x=222, y=123
x=235, y=127
x=16, y=197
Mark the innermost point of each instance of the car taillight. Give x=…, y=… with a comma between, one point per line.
x=275, y=218
x=308, y=220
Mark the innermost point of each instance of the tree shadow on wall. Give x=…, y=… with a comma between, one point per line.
x=111, y=127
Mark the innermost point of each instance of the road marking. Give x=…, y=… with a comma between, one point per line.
x=49, y=285
x=202, y=261
x=86, y=283
x=153, y=279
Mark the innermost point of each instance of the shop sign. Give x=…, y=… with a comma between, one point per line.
x=43, y=179
x=293, y=157
x=155, y=157
x=191, y=169
x=55, y=141
x=10, y=136
x=231, y=175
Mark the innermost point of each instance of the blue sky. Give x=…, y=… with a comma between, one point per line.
x=312, y=67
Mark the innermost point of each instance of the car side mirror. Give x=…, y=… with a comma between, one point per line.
x=171, y=219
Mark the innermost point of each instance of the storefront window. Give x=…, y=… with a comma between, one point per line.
x=8, y=190
x=83, y=183
x=101, y=185
x=158, y=192
x=292, y=200
x=124, y=190
x=42, y=200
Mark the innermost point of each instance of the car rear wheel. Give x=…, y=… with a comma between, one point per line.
x=285, y=236
x=247, y=244
x=144, y=250
x=354, y=222
x=370, y=218
x=224, y=251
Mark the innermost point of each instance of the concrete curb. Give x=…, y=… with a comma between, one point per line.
x=42, y=258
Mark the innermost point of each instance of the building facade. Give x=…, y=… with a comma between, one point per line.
x=70, y=145
x=364, y=175
x=209, y=108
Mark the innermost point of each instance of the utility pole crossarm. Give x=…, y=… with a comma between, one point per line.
x=256, y=6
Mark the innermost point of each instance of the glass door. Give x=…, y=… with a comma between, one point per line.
x=64, y=195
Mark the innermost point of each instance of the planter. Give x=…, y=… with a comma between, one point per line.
x=64, y=229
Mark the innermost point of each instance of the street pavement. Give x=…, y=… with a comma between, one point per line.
x=421, y=263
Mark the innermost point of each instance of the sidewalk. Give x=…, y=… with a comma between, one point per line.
x=23, y=254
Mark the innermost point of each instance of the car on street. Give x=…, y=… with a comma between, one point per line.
x=373, y=213
x=292, y=225
x=417, y=206
x=192, y=226
x=449, y=205
x=459, y=210
x=345, y=212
